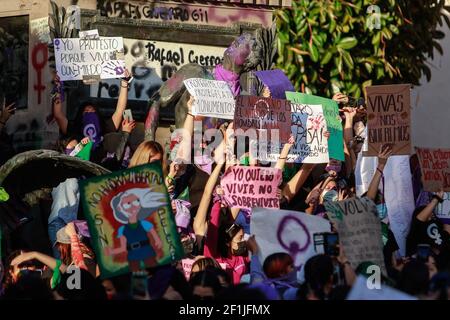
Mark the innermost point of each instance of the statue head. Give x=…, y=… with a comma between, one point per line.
x=244, y=54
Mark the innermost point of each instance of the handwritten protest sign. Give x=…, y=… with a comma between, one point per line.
x=273, y=115
x=331, y=114
x=389, y=118
x=286, y=231
x=359, y=230
x=435, y=168
x=187, y=267
x=212, y=98
x=83, y=59
x=130, y=219
x=249, y=187
x=308, y=128
x=361, y=290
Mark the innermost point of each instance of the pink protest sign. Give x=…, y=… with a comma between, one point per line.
x=187, y=267
x=250, y=187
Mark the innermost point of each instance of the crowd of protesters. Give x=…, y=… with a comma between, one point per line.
x=216, y=236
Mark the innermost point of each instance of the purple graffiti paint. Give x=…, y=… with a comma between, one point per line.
x=294, y=247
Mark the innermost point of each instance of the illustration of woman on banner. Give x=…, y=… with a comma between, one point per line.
x=138, y=236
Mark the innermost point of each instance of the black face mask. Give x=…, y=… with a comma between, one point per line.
x=241, y=250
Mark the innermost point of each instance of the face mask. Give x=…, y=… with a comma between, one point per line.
x=241, y=250
x=330, y=195
x=382, y=210
x=91, y=128
x=204, y=163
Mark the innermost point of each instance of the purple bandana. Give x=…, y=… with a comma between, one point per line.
x=91, y=128
x=204, y=163
x=276, y=81
x=231, y=78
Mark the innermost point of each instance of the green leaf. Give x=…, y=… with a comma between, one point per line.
x=347, y=43
x=347, y=59
x=368, y=67
x=394, y=29
x=326, y=58
x=313, y=52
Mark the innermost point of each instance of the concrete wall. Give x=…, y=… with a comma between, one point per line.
x=206, y=28
x=431, y=108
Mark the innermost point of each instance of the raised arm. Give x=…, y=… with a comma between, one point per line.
x=297, y=181
x=383, y=156
x=43, y=258
x=121, y=101
x=200, y=224
x=427, y=212
x=284, y=153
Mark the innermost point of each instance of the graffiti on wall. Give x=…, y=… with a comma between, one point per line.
x=14, y=60
x=152, y=62
x=185, y=13
x=39, y=58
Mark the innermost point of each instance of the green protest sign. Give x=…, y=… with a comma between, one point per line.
x=331, y=114
x=130, y=220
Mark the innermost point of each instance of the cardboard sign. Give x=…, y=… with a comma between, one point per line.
x=263, y=114
x=435, y=168
x=308, y=128
x=359, y=230
x=334, y=123
x=286, y=231
x=249, y=187
x=85, y=59
x=212, y=98
x=389, y=118
x=130, y=220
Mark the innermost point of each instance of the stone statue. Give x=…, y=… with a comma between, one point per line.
x=243, y=55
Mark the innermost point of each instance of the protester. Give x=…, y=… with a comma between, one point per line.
x=188, y=201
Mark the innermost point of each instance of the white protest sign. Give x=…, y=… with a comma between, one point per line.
x=308, y=128
x=41, y=29
x=286, y=231
x=79, y=59
x=398, y=191
x=212, y=98
x=361, y=291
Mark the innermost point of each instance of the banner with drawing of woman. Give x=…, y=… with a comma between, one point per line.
x=130, y=220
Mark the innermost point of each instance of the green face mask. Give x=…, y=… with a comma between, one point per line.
x=245, y=161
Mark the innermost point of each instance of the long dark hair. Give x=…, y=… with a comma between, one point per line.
x=227, y=231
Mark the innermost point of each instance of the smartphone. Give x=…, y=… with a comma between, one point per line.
x=128, y=115
x=423, y=252
x=331, y=242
